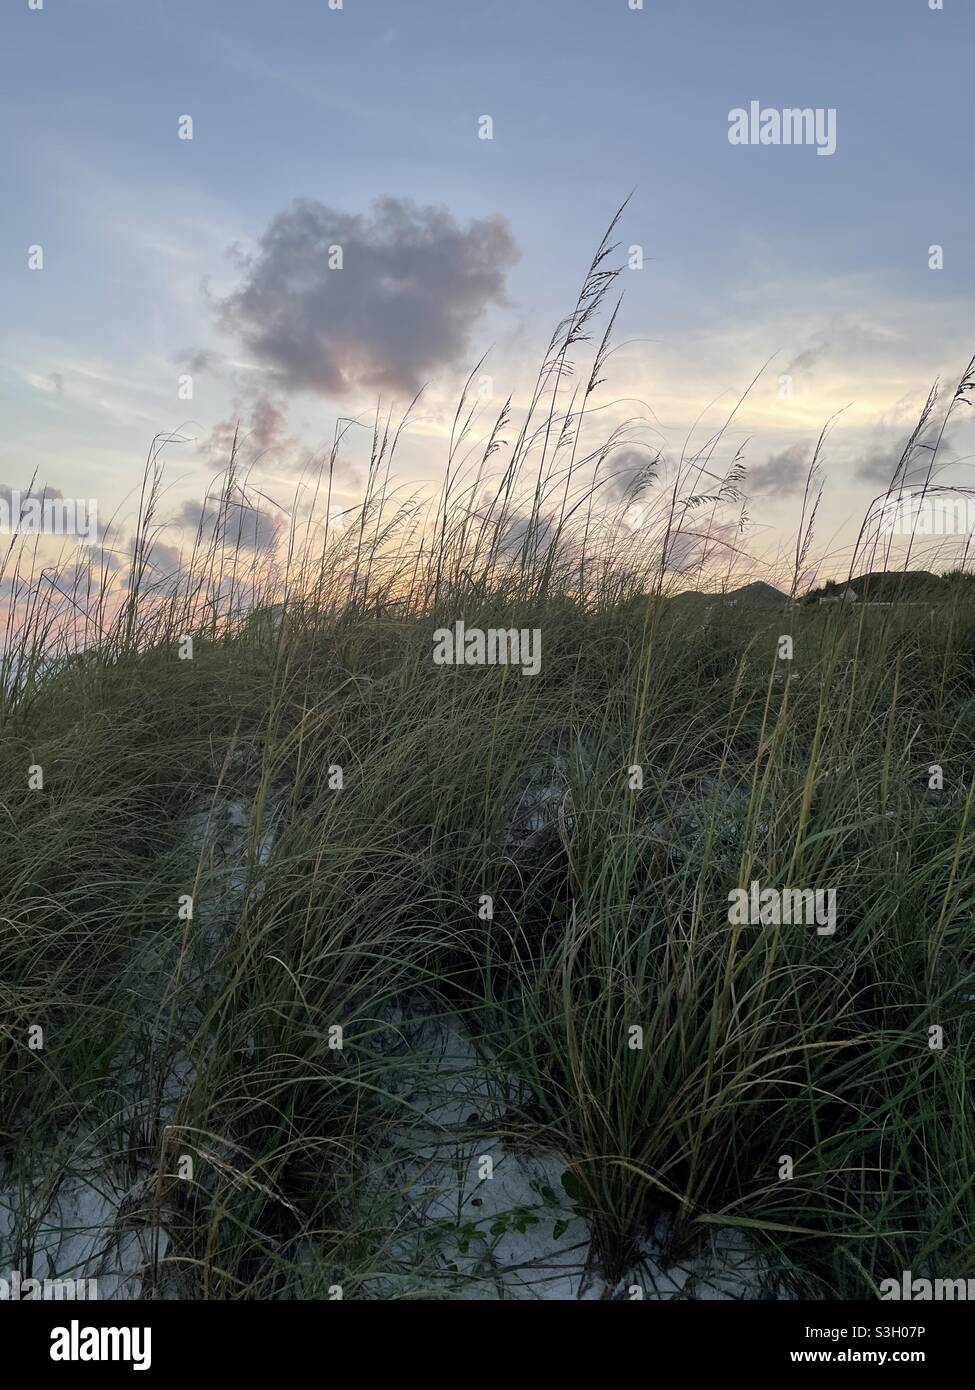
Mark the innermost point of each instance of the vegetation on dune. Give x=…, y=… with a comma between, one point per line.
x=689, y=758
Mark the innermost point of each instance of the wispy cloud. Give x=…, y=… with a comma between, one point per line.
x=782, y=472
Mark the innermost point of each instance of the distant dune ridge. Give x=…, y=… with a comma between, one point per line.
x=885, y=584
x=757, y=595
x=879, y=586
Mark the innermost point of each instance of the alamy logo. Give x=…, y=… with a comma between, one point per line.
x=47, y=515
x=792, y=126
x=927, y=514
x=15, y=1288
x=78, y=1343
x=494, y=646
x=773, y=907
x=924, y=1290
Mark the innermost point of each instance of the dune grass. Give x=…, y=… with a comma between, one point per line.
x=758, y=1042
x=379, y=791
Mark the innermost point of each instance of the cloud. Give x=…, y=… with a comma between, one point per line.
x=261, y=423
x=85, y=574
x=784, y=472
x=195, y=360
x=689, y=549
x=878, y=464
x=244, y=525
x=883, y=456
x=161, y=556
x=628, y=471
x=517, y=529
x=804, y=361
x=162, y=573
x=411, y=285
x=52, y=383
x=40, y=493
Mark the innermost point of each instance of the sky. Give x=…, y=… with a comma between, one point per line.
x=361, y=125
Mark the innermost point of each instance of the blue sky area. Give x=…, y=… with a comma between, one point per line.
x=751, y=253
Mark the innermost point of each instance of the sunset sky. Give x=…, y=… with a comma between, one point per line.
x=315, y=126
